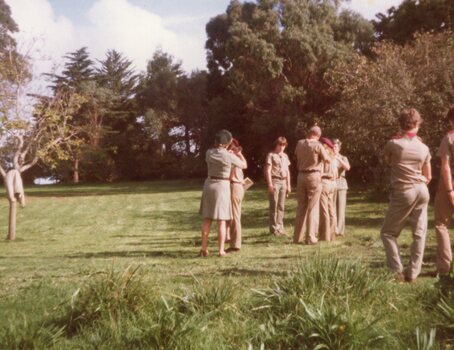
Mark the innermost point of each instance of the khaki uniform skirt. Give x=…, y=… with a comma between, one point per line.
x=216, y=200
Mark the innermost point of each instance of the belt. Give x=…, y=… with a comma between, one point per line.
x=278, y=178
x=219, y=178
x=236, y=182
x=309, y=171
x=327, y=178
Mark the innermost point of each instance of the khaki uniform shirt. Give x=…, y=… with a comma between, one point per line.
x=341, y=179
x=310, y=154
x=237, y=175
x=446, y=150
x=406, y=156
x=279, y=164
x=220, y=162
x=330, y=171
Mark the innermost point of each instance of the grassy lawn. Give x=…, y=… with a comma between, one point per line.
x=70, y=238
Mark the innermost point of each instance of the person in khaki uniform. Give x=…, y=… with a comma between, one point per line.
x=216, y=198
x=234, y=231
x=278, y=180
x=444, y=199
x=310, y=155
x=327, y=230
x=340, y=196
x=409, y=159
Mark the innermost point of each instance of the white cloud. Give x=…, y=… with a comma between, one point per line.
x=369, y=8
x=111, y=24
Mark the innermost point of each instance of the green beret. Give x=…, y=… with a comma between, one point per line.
x=223, y=137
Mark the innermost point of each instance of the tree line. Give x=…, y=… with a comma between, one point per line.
x=274, y=67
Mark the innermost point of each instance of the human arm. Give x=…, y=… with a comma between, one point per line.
x=289, y=183
x=446, y=175
x=427, y=172
x=238, y=160
x=387, y=153
x=343, y=162
x=269, y=179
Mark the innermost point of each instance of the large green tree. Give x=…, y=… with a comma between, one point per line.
x=117, y=74
x=267, y=62
x=401, y=23
x=372, y=93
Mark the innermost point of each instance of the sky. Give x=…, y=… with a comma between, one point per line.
x=51, y=28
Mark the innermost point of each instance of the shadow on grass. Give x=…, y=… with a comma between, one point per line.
x=176, y=254
x=251, y=272
x=85, y=190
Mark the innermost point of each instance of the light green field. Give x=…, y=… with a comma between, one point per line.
x=67, y=236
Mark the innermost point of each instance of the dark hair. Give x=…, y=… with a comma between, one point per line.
x=280, y=141
x=450, y=115
x=409, y=119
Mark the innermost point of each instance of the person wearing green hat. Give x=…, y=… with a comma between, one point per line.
x=216, y=198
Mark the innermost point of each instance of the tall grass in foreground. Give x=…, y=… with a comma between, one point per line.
x=325, y=303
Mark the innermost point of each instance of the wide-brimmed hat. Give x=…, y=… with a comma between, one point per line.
x=223, y=137
x=328, y=142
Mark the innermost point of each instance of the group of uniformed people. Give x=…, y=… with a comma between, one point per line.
x=321, y=187
x=322, y=192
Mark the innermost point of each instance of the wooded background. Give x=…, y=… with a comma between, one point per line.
x=274, y=67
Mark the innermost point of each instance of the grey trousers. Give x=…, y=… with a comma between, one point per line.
x=277, y=206
x=341, y=205
x=409, y=203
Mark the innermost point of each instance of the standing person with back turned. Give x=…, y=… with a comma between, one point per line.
x=279, y=185
x=310, y=156
x=340, y=197
x=216, y=198
x=328, y=221
x=237, y=193
x=444, y=200
x=409, y=159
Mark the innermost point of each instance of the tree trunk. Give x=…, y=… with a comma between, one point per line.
x=12, y=220
x=76, y=171
x=187, y=138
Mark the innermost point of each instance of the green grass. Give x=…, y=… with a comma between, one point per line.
x=70, y=279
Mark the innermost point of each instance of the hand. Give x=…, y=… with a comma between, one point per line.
x=451, y=197
x=271, y=189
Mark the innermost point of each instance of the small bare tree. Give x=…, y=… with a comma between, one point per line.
x=33, y=128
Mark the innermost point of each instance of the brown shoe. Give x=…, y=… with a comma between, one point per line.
x=433, y=274
x=399, y=277
x=410, y=280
